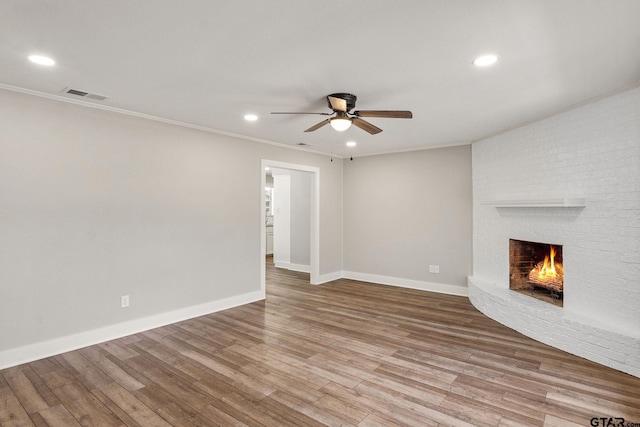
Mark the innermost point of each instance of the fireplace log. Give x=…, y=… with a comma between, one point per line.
x=553, y=283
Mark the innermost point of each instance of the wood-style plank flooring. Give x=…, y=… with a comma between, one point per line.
x=344, y=353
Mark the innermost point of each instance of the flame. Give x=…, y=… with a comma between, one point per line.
x=548, y=269
x=548, y=273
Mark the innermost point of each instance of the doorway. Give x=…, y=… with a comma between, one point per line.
x=314, y=213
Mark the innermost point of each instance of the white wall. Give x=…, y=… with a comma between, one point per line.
x=300, y=219
x=405, y=212
x=281, y=218
x=591, y=151
x=292, y=219
x=95, y=205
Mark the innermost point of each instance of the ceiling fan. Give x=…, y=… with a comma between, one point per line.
x=342, y=104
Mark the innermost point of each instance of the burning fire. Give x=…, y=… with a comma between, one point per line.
x=548, y=269
x=548, y=273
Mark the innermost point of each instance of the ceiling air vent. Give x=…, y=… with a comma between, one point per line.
x=84, y=94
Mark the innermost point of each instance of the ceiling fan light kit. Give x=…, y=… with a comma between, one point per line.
x=341, y=122
x=342, y=104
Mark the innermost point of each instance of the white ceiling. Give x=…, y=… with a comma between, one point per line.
x=207, y=63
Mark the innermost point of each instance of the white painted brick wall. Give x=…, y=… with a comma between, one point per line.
x=591, y=151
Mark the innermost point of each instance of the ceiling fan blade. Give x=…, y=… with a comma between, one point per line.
x=338, y=104
x=366, y=126
x=318, y=126
x=392, y=114
x=282, y=112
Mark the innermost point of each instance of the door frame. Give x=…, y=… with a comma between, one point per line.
x=314, y=250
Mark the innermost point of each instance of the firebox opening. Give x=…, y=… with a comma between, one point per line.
x=536, y=269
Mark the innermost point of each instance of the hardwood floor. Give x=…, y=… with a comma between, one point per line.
x=343, y=353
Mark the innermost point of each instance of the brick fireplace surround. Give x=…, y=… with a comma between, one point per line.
x=590, y=154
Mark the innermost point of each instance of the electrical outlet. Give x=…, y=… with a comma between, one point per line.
x=434, y=269
x=124, y=301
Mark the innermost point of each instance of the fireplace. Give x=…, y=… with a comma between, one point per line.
x=536, y=269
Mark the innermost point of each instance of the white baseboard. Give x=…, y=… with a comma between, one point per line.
x=407, y=283
x=293, y=267
x=329, y=277
x=29, y=353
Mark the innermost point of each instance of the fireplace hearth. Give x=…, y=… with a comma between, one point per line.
x=536, y=269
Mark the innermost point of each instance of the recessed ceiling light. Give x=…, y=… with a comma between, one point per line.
x=250, y=117
x=42, y=60
x=351, y=144
x=485, y=60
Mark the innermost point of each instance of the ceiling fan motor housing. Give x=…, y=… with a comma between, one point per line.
x=348, y=97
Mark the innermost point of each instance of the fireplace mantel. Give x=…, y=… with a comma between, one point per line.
x=563, y=202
